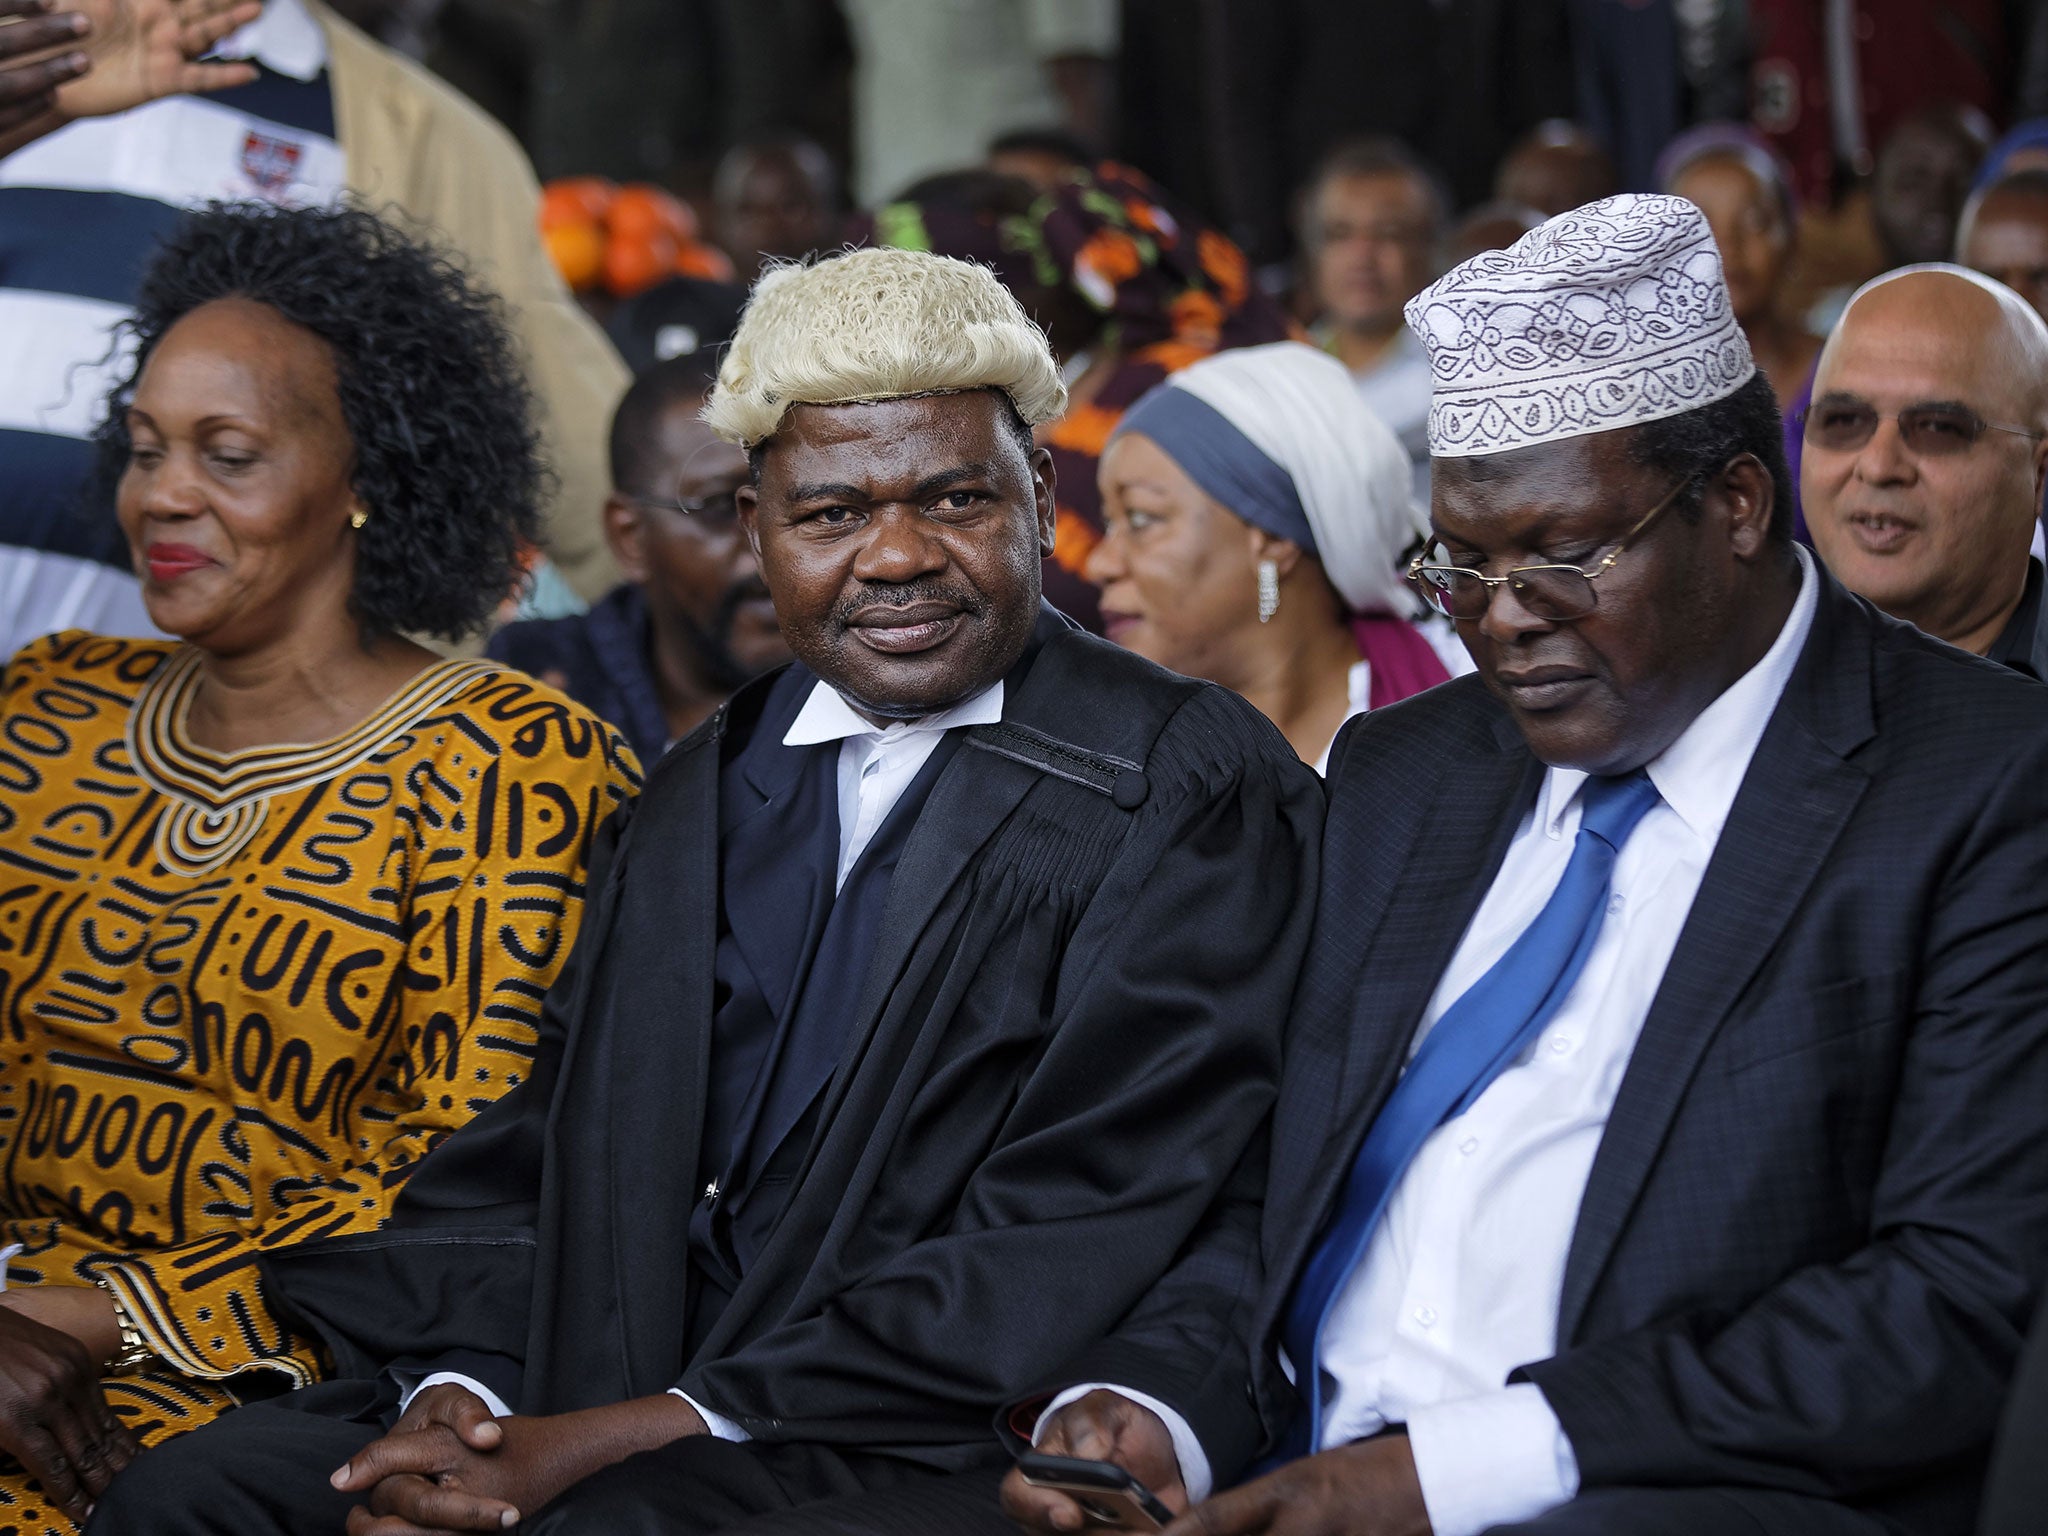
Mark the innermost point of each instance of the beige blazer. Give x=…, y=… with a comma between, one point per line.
x=414, y=141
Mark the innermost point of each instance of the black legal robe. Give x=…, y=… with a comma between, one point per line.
x=1065, y=1045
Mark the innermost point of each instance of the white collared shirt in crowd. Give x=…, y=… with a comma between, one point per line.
x=1461, y=1282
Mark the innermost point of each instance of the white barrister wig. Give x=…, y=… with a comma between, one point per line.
x=872, y=325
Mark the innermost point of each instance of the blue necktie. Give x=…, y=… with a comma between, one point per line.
x=1472, y=1043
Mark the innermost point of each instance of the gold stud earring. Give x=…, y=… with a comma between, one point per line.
x=357, y=518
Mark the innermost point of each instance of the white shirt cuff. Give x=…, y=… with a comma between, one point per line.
x=1195, y=1473
x=1496, y=1459
x=720, y=1426
x=408, y=1392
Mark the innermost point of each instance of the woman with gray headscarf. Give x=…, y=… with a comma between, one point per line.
x=1255, y=517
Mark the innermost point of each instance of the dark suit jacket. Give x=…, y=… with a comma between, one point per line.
x=1818, y=1220
x=602, y=661
x=1067, y=1037
x=2016, y=1496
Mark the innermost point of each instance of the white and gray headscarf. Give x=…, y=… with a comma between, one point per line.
x=1279, y=436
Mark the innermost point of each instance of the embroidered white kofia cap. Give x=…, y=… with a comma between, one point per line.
x=1606, y=316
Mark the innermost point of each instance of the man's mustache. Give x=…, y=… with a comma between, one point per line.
x=874, y=595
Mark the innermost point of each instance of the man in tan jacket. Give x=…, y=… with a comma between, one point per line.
x=412, y=140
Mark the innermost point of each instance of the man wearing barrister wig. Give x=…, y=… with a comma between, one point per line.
x=1659, y=1147
x=930, y=1000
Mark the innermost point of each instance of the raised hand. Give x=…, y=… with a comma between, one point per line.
x=142, y=50
x=35, y=58
x=1103, y=1426
x=54, y=1419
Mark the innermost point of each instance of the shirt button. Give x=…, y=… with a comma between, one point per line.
x=1615, y=904
x=1560, y=1045
x=1425, y=1317
x=1469, y=1145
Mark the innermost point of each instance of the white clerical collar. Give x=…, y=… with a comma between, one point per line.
x=828, y=717
x=285, y=39
x=1698, y=774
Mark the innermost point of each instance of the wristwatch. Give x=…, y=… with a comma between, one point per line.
x=133, y=1350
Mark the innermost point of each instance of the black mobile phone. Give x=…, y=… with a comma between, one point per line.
x=1108, y=1493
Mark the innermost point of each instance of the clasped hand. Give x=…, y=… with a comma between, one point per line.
x=449, y=1465
x=1365, y=1489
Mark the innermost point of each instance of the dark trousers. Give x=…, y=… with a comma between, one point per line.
x=262, y=1471
x=1695, y=1512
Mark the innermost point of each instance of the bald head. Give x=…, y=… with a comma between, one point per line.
x=1953, y=325
x=1925, y=449
x=2004, y=234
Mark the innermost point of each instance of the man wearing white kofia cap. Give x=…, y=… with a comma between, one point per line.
x=930, y=997
x=1658, y=1151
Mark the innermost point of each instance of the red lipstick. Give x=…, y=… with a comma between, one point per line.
x=167, y=562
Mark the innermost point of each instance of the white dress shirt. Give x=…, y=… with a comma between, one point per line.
x=1461, y=1281
x=876, y=764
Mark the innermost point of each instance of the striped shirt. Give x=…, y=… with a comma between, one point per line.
x=80, y=213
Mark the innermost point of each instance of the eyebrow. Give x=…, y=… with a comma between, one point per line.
x=930, y=485
x=136, y=413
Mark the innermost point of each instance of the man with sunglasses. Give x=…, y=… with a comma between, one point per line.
x=1658, y=1151
x=1925, y=450
x=692, y=622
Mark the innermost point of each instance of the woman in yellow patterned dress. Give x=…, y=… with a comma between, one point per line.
x=279, y=898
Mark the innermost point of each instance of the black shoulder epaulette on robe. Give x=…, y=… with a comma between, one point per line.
x=1067, y=1040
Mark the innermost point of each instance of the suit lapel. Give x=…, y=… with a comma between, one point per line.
x=1798, y=794
x=975, y=794
x=1413, y=903
x=785, y=869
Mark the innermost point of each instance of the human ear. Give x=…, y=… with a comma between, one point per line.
x=622, y=530
x=748, y=499
x=1746, y=489
x=1043, y=481
x=1284, y=553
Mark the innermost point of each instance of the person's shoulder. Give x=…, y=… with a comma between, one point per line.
x=532, y=728
x=1928, y=694
x=1122, y=706
x=535, y=645
x=1453, y=717
x=463, y=129
x=1121, y=699
x=110, y=665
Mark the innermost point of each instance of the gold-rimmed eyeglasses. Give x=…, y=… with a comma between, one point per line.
x=1554, y=593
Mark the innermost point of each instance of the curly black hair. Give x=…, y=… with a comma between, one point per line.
x=432, y=390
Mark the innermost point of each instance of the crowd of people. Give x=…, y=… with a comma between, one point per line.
x=1041, y=874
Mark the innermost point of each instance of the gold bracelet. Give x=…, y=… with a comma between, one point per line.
x=133, y=1350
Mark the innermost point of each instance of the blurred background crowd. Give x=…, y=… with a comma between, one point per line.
x=1316, y=162
x=1156, y=180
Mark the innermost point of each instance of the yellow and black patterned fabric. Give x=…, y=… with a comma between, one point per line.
x=242, y=995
